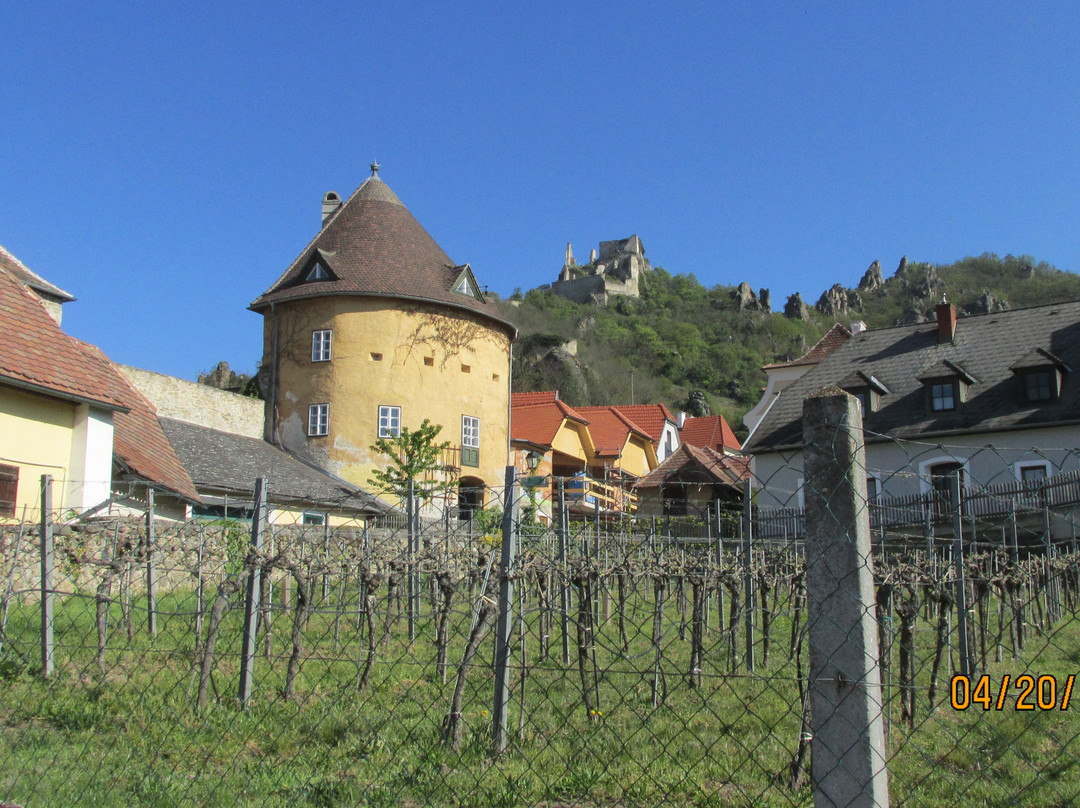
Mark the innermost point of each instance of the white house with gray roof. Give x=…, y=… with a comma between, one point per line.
x=994, y=396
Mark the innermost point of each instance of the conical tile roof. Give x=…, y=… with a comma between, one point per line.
x=373, y=246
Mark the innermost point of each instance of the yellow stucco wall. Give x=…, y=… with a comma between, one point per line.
x=638, y=458
x=36, y=436
x=572, y=439
x=434, y=363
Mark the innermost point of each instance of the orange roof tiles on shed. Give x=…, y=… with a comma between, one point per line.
x=709, y=431
x=36, y=355
x=373, y=246
x=730, y=470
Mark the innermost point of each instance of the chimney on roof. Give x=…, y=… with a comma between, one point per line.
x=857, y=327
x=330, y=203
x=946, y=322
x=682, y=419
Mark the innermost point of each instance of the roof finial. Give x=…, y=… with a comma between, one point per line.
x=375, y=168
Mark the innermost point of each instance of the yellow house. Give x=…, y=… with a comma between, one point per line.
x=57, y=404
x=373, y=328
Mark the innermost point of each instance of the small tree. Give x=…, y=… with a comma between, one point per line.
x=413, y=453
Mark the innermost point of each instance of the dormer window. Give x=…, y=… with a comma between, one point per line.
x=1038, y=386
x=318, y=268
x=466, y=284
x=943, y=397
x=946, y=387
x=1039, y=375
x=867, y=388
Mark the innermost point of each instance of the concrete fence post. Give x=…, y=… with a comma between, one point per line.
x=47, y=641
x=259, y=525
x=845, y=681
x=151, y=597
x=504, y=631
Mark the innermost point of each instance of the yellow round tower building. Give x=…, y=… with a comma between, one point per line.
x=373, y=328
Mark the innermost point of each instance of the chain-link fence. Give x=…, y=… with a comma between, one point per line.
x=600, y=660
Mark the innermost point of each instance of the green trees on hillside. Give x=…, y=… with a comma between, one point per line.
x=681, y=336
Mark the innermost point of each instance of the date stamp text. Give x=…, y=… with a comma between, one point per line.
x=1025, y=692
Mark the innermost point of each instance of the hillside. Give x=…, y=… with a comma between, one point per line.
x=683, y=344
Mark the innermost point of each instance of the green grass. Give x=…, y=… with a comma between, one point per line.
x=131, y=735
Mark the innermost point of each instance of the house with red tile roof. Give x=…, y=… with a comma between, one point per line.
x=66, y=411
x=694, y=481
x=658, y=422
x=710, y=432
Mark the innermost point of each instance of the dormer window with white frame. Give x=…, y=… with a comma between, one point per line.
x=321, y=345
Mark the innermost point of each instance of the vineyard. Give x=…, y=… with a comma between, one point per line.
x=499, y=662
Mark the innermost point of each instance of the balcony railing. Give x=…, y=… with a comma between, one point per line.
x=586, y=493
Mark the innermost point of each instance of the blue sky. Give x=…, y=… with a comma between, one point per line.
x=165, y=162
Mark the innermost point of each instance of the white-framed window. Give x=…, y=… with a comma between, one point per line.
x=318, y=420
x=320, y=345
x=389, y=421
x=1028, y=471
x=470, y=431
x=314, y=518
x=470, y=441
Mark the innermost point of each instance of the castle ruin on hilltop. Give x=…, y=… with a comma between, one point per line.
x=615, y=271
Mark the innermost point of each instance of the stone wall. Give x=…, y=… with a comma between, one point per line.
x=198, y=404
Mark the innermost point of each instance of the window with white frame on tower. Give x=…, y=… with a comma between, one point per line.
x=320, y=345
x=318, y=420
x=389, y=421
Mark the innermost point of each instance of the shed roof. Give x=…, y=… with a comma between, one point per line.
x=224, y=462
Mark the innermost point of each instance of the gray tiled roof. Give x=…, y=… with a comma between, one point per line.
x=986, y=347
x=221, y=461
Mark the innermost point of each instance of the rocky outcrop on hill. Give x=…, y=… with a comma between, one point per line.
x=796, y=308
x=872, y=279
x=747, y=301
x=838, y=300
x=986, y=303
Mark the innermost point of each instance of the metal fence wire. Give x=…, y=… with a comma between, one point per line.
x=838, y=652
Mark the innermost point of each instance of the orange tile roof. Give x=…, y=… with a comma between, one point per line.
x=650, y=417
x=139, y=442
x=610, y=430
x=539, y=422
x=833, y=339
x=710, y=431
x=725, y=469
x=524, y=399
x=36, y=355
x=23, y=273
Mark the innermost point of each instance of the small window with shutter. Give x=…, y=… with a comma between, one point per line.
x=9, y=484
